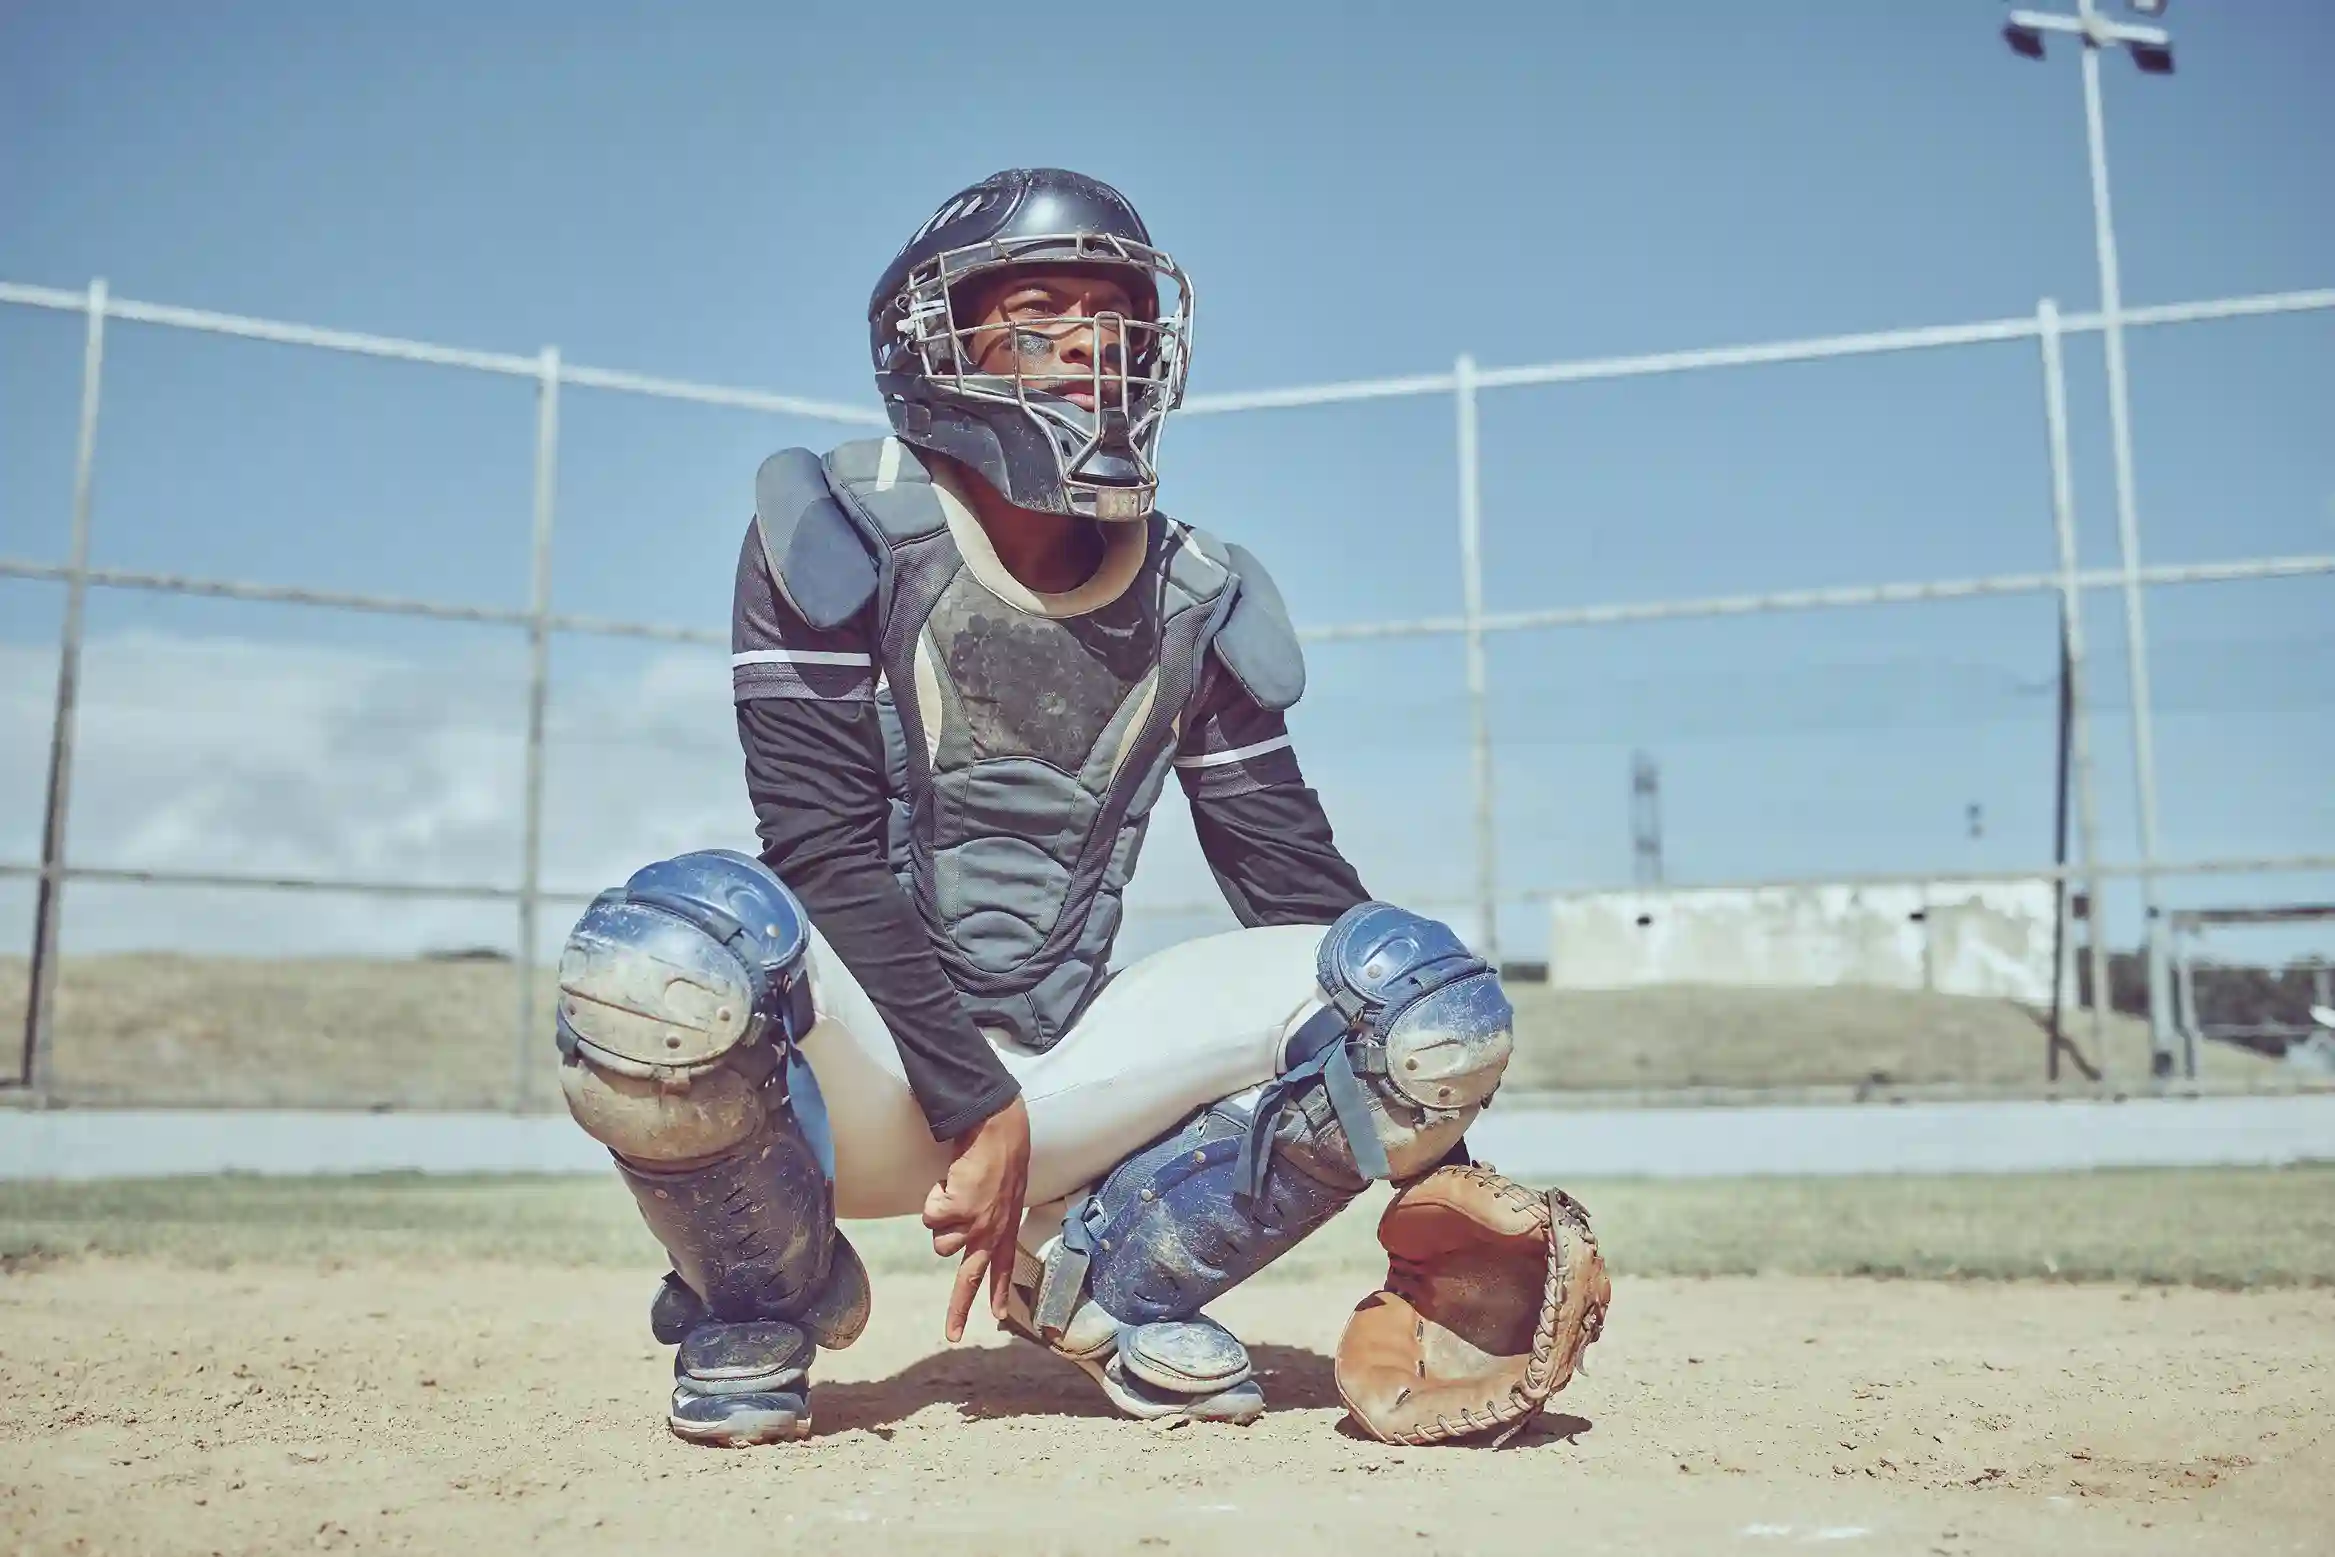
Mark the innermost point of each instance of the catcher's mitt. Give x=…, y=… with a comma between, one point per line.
x=1493, y=1291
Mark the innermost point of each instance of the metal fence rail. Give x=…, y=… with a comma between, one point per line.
x=492, y=892
x=1827, y=598
x=1465, y=383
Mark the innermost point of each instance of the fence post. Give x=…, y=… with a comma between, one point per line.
x=49, y=901
x=2071, y=617
x=2144, y=748
x=1471, y=581
x=524, y=1050
x=2184, y=985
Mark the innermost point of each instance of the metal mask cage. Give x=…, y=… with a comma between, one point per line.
x=1133, y=387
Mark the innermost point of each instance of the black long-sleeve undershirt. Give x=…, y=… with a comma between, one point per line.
x=1272, y=852
x=814, y=771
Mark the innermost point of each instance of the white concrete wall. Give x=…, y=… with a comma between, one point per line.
x=1987, y=938
x=130, y=1143
x=1548, y=1145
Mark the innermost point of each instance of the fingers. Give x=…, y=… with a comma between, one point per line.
x=1007, y=1248
x=946, y=1221
x=968, y=1283
x=1001, y=1276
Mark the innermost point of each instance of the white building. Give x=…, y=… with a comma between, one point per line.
x=1965, y=938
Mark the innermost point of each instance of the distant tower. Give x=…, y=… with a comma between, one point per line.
x=1645, y=820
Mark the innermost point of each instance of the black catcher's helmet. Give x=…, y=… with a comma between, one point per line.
x=1039, y=448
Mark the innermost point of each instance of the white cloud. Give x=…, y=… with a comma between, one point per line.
x=235, y=756
x=238, y=756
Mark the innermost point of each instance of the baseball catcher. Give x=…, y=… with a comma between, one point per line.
x=967, y=659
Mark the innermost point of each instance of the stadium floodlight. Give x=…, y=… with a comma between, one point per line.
x=2025, y=29
x=2151, y=47
x=2152, y=51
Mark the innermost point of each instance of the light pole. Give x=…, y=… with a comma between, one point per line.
x=2152, y=50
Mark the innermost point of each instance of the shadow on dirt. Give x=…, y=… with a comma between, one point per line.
x=1549, y=1427
x=993, y=1382
x=1020, y=1380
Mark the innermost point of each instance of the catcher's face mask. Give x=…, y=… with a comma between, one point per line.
x=1085, y=337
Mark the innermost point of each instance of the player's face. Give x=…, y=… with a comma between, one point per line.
x=1056, y=330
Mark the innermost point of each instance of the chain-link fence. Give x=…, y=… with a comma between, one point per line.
x=465, y=1028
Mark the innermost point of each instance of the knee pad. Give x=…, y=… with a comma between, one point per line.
x=1413, y=1038
x=692, y=959
x=682, y=996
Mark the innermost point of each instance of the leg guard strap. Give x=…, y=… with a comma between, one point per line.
x=1064, y=1281
x=1325, y=1057
x=1408, y=1047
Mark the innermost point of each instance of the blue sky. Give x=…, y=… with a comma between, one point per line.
x=1357, y=190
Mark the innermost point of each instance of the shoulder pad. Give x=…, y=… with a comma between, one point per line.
x=889, y=488
x=1258, y=643
x=1193, y=560
x=816, y=556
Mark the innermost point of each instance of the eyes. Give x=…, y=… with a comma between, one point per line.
x=1048, y=325
x=1040, y=302
x=1036, y=322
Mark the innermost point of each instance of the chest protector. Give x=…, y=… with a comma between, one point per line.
x=1023, y=752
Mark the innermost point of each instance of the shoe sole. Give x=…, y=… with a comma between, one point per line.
x=1137, y=1409
x=742, y=1436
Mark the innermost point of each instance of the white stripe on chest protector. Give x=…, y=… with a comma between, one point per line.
x=1217, y=759
x=800, y=657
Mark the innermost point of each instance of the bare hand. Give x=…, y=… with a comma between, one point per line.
x=977, y=1210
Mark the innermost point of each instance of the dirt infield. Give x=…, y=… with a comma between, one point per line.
x=489, y=1406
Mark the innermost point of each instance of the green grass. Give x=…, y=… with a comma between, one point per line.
x=2211, y=1227
x=336, y=1032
